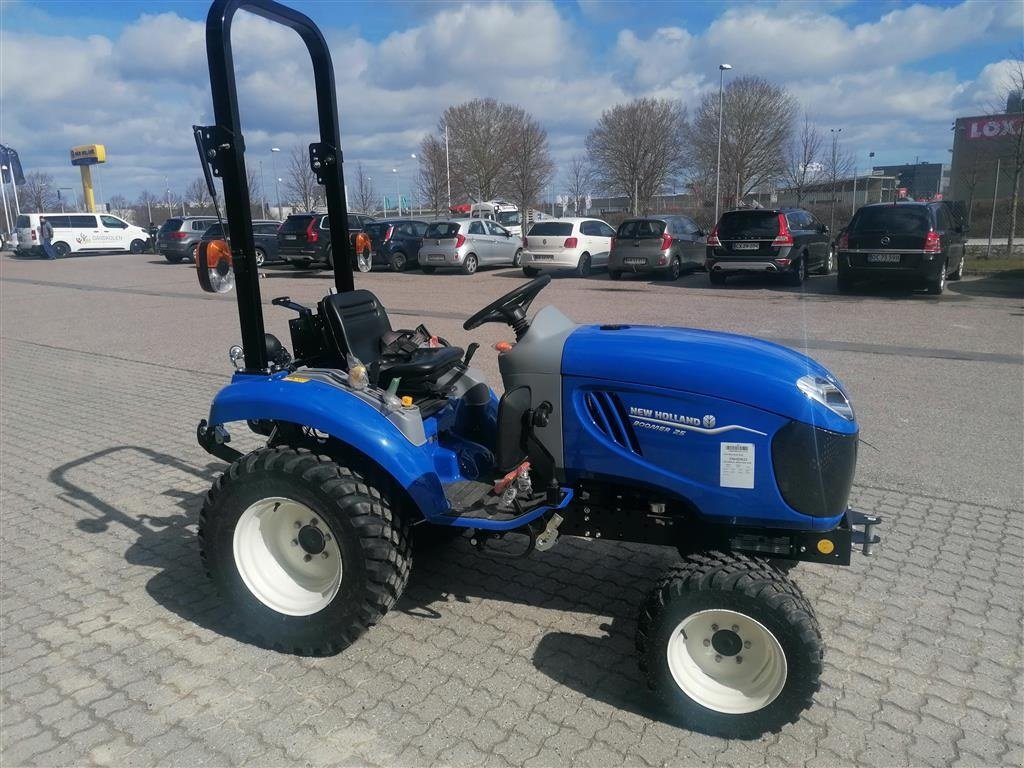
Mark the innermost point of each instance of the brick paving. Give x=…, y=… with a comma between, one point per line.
x=115, y=650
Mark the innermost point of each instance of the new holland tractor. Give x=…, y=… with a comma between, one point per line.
x=736, y=452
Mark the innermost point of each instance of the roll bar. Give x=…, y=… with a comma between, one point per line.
x=224, y=150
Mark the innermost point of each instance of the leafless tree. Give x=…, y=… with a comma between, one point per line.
x=300, y=182
x=639, y=148
x=363, y=195
x=38, y=193
x=432, y=178
x=530, y=159
x=579, y=181
x=480, y=132
x=120, y=206
x=197, y=196
x=837, y=164
x=756, y=130
x=1010, y=97
x=804, y=167
x=145, y=204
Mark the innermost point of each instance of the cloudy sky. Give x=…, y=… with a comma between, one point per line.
x=132, y=75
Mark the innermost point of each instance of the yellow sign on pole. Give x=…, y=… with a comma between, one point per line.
x=83, y=156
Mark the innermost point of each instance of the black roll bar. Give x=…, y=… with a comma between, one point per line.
x=325, y=159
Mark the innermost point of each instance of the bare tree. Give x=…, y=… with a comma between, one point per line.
x=38, y=193
x=300, y=182
x=578, y=182
x=120, y=206
x=1011, y=91
x=638, y=148
x=145, y=204
x=432, y=178
x=756, y=131
x=364, y=198
x=531, y=165
x=804, y=167
x=480, y=132
x=838, y=165
x=197, y=196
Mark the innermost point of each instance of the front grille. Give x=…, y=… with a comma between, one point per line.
x=609, y=417
x=814, y=468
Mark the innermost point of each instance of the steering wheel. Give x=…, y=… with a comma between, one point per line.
x=510, y=308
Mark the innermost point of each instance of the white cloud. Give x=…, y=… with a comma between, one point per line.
x=140, y=90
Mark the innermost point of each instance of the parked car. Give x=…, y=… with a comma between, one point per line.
x=922, y=242
x=178, y=237
x=77, y=232
x=305, y=238
x=664, y=245
x=573, y=243
x=395, y=242
x=264, y=233
x=467, y=244
x=786, y=241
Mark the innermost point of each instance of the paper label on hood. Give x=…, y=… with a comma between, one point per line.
x=737, y=465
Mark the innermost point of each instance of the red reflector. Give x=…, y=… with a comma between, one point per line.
x=782, y=262
x=460, y=240
x=178, y=235
x=932, y=243
x=713, y=237
x=570, y=242
x=785, y=237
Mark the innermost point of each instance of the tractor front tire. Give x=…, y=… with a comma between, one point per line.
x=308, y=553
x=731, y=646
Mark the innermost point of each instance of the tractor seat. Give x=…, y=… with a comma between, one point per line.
x=356, y=323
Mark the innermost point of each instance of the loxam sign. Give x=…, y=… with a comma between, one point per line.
x=994, y=127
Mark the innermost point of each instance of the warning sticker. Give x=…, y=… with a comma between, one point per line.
x=737, y=465
x=298, y=379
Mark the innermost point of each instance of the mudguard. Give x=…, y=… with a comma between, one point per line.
x=343, y=416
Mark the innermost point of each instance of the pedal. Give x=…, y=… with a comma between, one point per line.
x=549, y=536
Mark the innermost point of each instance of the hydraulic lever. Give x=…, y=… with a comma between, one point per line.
x=287, y=303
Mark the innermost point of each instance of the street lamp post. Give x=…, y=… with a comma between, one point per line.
x=835, y=146
x=277, y=187
x=718, y=164
x=167, y=186
x=263, y=192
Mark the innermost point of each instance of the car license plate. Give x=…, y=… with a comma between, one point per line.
x=543, y=257
x=635, y=260
x=745, y=246
x=291, y=237
x=884, y=258
x=435, y=257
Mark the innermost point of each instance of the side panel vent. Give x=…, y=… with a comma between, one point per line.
x=610, y=418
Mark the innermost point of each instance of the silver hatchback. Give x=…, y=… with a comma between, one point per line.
x=468, y=244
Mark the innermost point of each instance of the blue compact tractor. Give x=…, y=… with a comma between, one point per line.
x=737, y=452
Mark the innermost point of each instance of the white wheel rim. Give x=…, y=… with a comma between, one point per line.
x=703, y=664
x=277, y=548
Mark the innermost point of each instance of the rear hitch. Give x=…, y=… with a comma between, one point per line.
x=214, y=440
x=866, y=538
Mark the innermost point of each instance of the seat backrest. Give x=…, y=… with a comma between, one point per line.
x=357, y=321
x=511, y=444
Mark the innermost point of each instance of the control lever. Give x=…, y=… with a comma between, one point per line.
x=542, y=414
x=470, y=351
x=287, y=303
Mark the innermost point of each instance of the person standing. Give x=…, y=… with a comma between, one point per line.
x=46, y=235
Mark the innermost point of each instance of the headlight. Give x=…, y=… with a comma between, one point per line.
x=828, y=394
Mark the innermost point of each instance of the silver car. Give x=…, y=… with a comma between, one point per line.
x=571, y=243
x=468, y=244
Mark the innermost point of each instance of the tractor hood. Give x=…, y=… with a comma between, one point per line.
x=721, y=365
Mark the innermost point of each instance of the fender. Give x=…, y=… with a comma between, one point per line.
x=343, y=416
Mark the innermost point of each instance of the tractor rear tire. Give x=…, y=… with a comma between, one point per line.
x=731, y=646
x=307, y=552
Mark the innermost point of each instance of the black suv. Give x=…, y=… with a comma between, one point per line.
x=306, y=237
x=923, y=242
x=264, y=233
x=396, y=242
x=783, y=241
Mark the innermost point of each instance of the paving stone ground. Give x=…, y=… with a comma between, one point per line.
x=115, y=649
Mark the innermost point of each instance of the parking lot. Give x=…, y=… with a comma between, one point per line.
x=116, y=650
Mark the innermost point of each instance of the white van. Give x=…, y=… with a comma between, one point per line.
x=80, y=232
